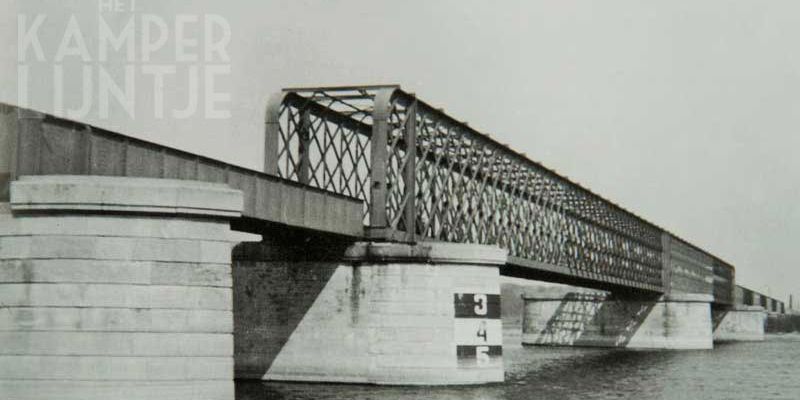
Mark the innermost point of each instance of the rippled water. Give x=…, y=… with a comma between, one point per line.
x=765, y=370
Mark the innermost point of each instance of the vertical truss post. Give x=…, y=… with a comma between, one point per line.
x=272, y=131
x=379, y=156
x=433, y=205
x=732, y=285
x=26, y=160
x=666, y=262
x=304, y=150
x=410, y=172
x=13, y=121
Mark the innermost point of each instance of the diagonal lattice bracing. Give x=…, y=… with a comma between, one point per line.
x=425, y=176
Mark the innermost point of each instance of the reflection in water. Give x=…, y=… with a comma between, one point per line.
x=766, y=370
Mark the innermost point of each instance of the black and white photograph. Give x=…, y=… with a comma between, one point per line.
x=402, y=200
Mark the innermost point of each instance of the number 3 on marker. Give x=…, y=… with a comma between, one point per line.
x=481, y=304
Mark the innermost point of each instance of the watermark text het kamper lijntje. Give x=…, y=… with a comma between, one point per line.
x=96, y=63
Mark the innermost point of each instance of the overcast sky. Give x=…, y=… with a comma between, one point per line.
x=684, y=112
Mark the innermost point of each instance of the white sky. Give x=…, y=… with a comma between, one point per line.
x=684, y=112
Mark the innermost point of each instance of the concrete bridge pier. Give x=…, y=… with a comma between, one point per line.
x=116, y=288
x=739, y=323
x=314, y=309
x=675, y=321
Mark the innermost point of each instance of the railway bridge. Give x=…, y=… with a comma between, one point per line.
x=369, y=250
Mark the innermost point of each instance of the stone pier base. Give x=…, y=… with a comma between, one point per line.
x=597, y=320
x=116, y=288
x=739, y=324
x=381, y=313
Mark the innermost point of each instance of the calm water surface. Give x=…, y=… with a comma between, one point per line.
x=766, y=370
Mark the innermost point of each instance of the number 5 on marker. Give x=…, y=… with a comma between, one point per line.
x=481, y=305
x=482, y=354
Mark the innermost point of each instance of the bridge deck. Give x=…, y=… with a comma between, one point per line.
x=32, y=143
x=376, y=162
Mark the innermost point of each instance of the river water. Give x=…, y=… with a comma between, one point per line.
x=762, y=370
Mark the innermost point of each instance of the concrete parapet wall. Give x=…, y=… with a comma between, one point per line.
x=375, y=313
x=116, y=288
x=599, y=320
x=739, y=323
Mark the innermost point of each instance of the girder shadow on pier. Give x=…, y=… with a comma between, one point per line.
x=586, y=319
x=276, y=282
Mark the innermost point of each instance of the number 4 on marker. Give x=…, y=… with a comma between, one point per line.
x=482, y=331
x=481, y=304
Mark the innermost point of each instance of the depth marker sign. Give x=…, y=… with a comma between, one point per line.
x=478, y=330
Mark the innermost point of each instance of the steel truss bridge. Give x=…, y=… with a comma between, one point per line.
x=423, y=175
x=377, y=162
